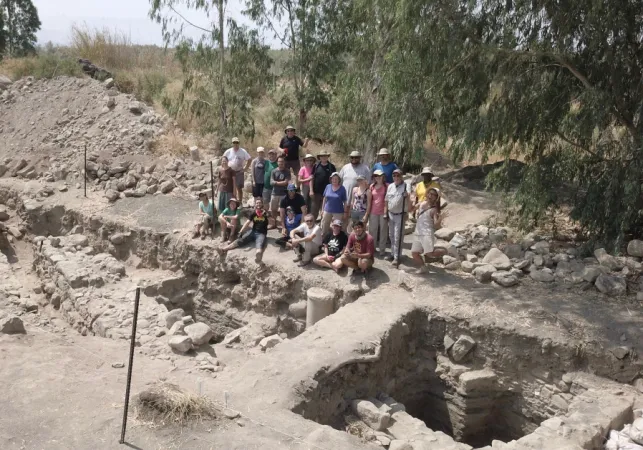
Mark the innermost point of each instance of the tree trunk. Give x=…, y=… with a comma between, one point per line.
x=222, y=100
x=10, y=27
x=303, y=119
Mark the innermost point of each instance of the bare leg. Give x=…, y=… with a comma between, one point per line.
x=322, y=261
x=348, y=262
x=418, y=258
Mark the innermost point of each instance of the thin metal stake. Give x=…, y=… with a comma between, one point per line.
x=85, y=170
x=129, y=368
x=212, y=199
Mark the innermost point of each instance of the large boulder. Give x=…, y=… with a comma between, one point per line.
x=497, y=259
x=181, y=344
x=11, y=325
x=199, y=332
x=445, y=234
x=462, y=347
x=607, y=260
x=611, y=285
x=167, y=187
x=173, y=316
x=635, y=248
x=371, y=415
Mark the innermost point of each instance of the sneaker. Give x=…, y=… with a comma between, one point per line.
x=382, y=254
x=303, y=263
x=419, y=270
x=389, y=258
x=396, y=263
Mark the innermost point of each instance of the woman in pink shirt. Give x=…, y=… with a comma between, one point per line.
x=375, y=213
x=305, y=176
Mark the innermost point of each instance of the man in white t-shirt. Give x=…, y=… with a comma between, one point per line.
x=306, y=240
x=351, y=171
x=239, y=160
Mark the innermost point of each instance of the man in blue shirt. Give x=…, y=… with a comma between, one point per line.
x=385, y=165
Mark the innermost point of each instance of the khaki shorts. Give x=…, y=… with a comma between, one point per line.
x=423, y=244
x=368, y=261
x=275, y=200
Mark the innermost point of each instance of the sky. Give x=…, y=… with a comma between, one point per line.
x=129, y=16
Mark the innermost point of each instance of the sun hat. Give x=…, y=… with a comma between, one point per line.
x=323, y=153
x=397, y=171
x=291, y=187
x=383, y=151
x=355, y=154
x=360, y=177
x=309, y=156
x=288, y=128
x=335, y=174
x=260, y=150
x=337, y=222
x=233, y=200
x=235, y=140
x=272, y=150
x=378, y=173
x=427, y=171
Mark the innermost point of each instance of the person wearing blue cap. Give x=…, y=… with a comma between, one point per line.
x=294, y=200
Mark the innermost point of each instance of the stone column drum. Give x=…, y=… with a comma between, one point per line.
x=321, y=303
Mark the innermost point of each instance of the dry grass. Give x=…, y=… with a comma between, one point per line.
x=166, y=403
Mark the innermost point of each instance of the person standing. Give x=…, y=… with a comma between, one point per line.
x=239, y=161
x=352, y=170
x=377, y=223
x=289, y=145
x=225, y=176
x=428, y=220
x=321, y=178
x=385, y=165
x=429, y=181
x=279, y=178
x=360, y=202
x=335, y=205
x=305, y=179
x=270, y=165
x=396, y=207
x=258, y=172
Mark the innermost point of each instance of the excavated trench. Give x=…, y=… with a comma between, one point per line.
x=453, y=386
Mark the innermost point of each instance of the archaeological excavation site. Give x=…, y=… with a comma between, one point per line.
x=510, y=341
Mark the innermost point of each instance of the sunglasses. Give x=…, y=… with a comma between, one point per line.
x=309, y=221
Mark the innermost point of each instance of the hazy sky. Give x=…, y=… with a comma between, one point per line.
x=129, y=16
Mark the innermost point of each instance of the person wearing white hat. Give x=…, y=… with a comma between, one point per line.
x=322, y=171
x=289, y=145
x=336, y=204
x=429, y=219
x=385, y=165
x=396, y=209
x=305, y=178
x=239, y=161
x=258, y=172
x=333, y=245
x=352, y=170
x=306, y=240
x=377, y=223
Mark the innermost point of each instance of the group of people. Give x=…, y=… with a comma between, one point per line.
x=362, y=208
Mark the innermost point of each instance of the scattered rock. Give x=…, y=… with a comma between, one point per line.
x=270, y=341
x=371, y=415
x=398, y=444
x=466, y=266
x=591, y=273
x=12, y=325
x=611, y=285
x=118, y=365
x=458, y=241
x=483, y=273
x=513, y=251
x=176, y=315
x=471, y=258
x=117, y=239
x=543, y=276
x=108, y=83
x=505, y=279
x=455, y=265
x=497, y=259
x=135, y=108
x=462, y=347
x=445, y=234
x=167, y=187
x=635, y=248
x=230, y=414
x=232, y=337
x=177, y=329
x=4, y=215
x=15, y=232
x=607, y=260
x=298, y=310
x=620, y=352
x=181, y=344
x=112, y=195
x=541, y=248
x=522, y=265
x=199, y=332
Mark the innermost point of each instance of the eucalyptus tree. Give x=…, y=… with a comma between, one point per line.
x=18, y=25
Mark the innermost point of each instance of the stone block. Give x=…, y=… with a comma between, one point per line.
x=199, y=332
x=483, y=273
x=504, y=279
x=12, y=325
x=445, y=234
x=371, y=414
x=462, y=347
x=270, y=341
x=635, y=248
x=298, y=310
x=607, y=260
x=497, y=259
x=176, y=315
x=181, y=344
x=611, y=285
x=466, y=266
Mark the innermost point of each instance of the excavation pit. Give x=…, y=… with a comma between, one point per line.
x=434, y=380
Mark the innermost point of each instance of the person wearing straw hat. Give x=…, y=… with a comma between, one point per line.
x=289, y=145
x=322, y=171
x=271, y=164
x=352, y=170
x=258, y=172
x=396, y=208
x=429, y=219
x=429, y=181
x=385, y=165
x=335, y=205
x=376, y=219
x=305, y=178
x=230, y=220
x=239, y=161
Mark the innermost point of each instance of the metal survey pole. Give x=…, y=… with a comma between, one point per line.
x=212, y=199
x=129, y=367
x=400, y=239
x=85, y=170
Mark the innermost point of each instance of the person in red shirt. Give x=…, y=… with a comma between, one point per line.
x=359, y=253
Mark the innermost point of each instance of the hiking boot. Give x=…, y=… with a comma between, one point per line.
x=303, y=263
x=390, y=258
x=396, y=263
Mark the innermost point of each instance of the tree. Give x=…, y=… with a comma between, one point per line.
x=18, y=25
x=557, y=84
x=304, y=27
x=220, y=84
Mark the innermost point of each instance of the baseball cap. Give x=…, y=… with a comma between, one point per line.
x=335, y=174
x=260, y=149
x=397, y=171
x=235, y=140
x=378, y=173
x=291, y=187
x=337, y=222
x=272, y=150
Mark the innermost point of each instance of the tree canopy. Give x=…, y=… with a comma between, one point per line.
x=18, y=25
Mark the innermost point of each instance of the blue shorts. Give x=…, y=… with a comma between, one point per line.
x=252, y=236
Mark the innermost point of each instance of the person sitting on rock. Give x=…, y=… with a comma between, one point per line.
x=306, y=240
x=429, y=219
x=206, y=212
x=292, y=221
x=254, y=230
x=333, y=244
x=359, y=253
x=294, y=200
x=230, y=220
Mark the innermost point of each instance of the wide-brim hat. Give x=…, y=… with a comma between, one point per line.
x=378, y=173
x=289, y=127
x=383, y=151
x=355, y=154
x=335, y=174
x=323, y=153
x=233, y=200
x=337, y=223
x=398, y=171
x=309, y=156
x=427, y=171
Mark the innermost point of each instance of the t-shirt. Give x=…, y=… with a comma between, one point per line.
x=421, y=189
x=292, y=222
x=209, y=210
x=305, y=172
x=387, y=169
x=270, y=166
x=335, y=200
x=335, y=243
x=226, y=180
x=259, y=222
x=394, y=197
x=279, y=175
x=236, y=160
x=295, y=203
x=236, y=212
x=291, y=145
x=321, y=176
x=303, y=228
x=378, y=200
x=425, y=225
x=349, y=175
x=258, y=170
x=365, y=245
